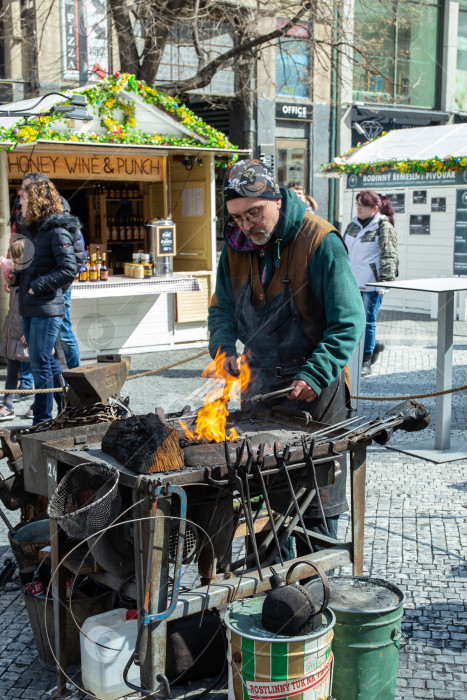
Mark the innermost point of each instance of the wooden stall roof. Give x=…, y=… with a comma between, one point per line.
x=125, y=113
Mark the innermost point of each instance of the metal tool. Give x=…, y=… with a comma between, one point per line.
x=282, y=463
x=237, y=482
x=279, y=394
x=257, y=468
x=308, y=456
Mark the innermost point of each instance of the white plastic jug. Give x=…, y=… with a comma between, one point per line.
x=102, y=668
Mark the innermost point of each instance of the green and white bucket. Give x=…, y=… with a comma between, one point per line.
x=272, y=666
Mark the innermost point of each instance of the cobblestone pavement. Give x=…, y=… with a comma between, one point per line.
x=415, y=519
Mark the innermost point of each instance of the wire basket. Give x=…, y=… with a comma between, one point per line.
x=86, y=500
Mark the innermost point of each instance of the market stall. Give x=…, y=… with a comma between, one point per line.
x=424, y=171
x=143, y=159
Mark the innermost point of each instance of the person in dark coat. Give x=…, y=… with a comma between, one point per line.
x=66, y=337
x=13, y=343
x=48, y=267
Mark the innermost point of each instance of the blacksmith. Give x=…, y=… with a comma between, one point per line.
x=286, y=290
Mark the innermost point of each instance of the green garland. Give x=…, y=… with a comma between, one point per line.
x=105, y=98
x=431, y=165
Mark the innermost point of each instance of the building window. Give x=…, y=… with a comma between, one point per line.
x=291, y=159
x=397, y=58
x=461, y=68
x=293, y=62
x=180, y=61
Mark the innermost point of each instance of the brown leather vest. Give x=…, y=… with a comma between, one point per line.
x=295, y=256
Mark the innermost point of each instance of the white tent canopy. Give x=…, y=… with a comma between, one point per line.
x=422, y=143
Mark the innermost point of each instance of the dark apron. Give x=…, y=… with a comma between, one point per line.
x=277, y=347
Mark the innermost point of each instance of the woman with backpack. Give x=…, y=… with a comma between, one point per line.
x=372, y=244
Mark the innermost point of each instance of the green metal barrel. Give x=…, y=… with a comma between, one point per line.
x=366, y=637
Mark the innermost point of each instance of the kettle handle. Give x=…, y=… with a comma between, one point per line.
x=321, y=574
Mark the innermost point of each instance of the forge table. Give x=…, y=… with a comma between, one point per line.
x=48, y=456
x=445, y=449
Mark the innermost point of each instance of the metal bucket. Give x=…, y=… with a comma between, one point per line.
x=82, y=609
x=270, y=666
x=28, y=540
x=366, y=637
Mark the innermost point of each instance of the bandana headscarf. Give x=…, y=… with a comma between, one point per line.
x=250, y=178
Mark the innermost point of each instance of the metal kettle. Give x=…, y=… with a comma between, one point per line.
x=292, y=609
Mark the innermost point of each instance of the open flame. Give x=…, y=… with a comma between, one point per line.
x=212, y=417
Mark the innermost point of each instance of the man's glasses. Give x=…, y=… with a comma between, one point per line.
x=254, y=216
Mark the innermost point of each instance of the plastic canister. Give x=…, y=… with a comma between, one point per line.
x=102, y=666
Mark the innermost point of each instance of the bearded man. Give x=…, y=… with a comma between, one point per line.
x=286, y=290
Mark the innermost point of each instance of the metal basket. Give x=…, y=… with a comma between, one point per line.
x=86, y=500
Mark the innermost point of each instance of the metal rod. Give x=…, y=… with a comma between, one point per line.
x=266, y=498
x=251, y=526
x=307, y=453
x=10, y=527
x=283, y=466
x=336, y=426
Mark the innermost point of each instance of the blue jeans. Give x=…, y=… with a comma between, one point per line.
x=67, y=337
x=27, y=380
x=371, y=303
x=41, y=335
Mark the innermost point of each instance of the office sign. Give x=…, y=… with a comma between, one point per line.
x=286, y=110
x=85, y=165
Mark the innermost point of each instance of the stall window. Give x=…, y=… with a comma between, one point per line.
x=291, y=159
x=293, y=62
x=461, y=69
x=398, y=52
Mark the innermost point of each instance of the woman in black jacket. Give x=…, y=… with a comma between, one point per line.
x=49, y=266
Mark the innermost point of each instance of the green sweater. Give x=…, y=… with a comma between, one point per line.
x=332, y=282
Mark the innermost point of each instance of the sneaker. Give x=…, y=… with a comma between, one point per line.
x=21, y=397
x=29, y=415
x=366, y=365
x=6, y=413
x=379, y=347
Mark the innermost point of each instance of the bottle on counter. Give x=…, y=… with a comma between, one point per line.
x=152, y=262
x=98, y=255
x=93, y=269
x=104, y=272
x=83, y=273
x=87, y=264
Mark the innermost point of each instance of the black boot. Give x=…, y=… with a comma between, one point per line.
x=366, y=366
x=379, y=347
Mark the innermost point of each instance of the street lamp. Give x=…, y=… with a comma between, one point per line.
x=76, y=110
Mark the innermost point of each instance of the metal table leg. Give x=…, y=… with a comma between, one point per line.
x=444, y=369
x=57, y=537
x=357, y=490
x=154, y=661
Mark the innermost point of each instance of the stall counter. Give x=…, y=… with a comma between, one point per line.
x=124, y=315
x=118, y=286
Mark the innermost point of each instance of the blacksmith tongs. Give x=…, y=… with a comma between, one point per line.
x=279, y=394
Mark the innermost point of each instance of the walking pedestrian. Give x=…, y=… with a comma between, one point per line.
x=298, y=188
x=66, y=337
x=51, y=268
x=371, y=240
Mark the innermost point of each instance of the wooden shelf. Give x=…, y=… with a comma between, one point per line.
x=119, y=199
